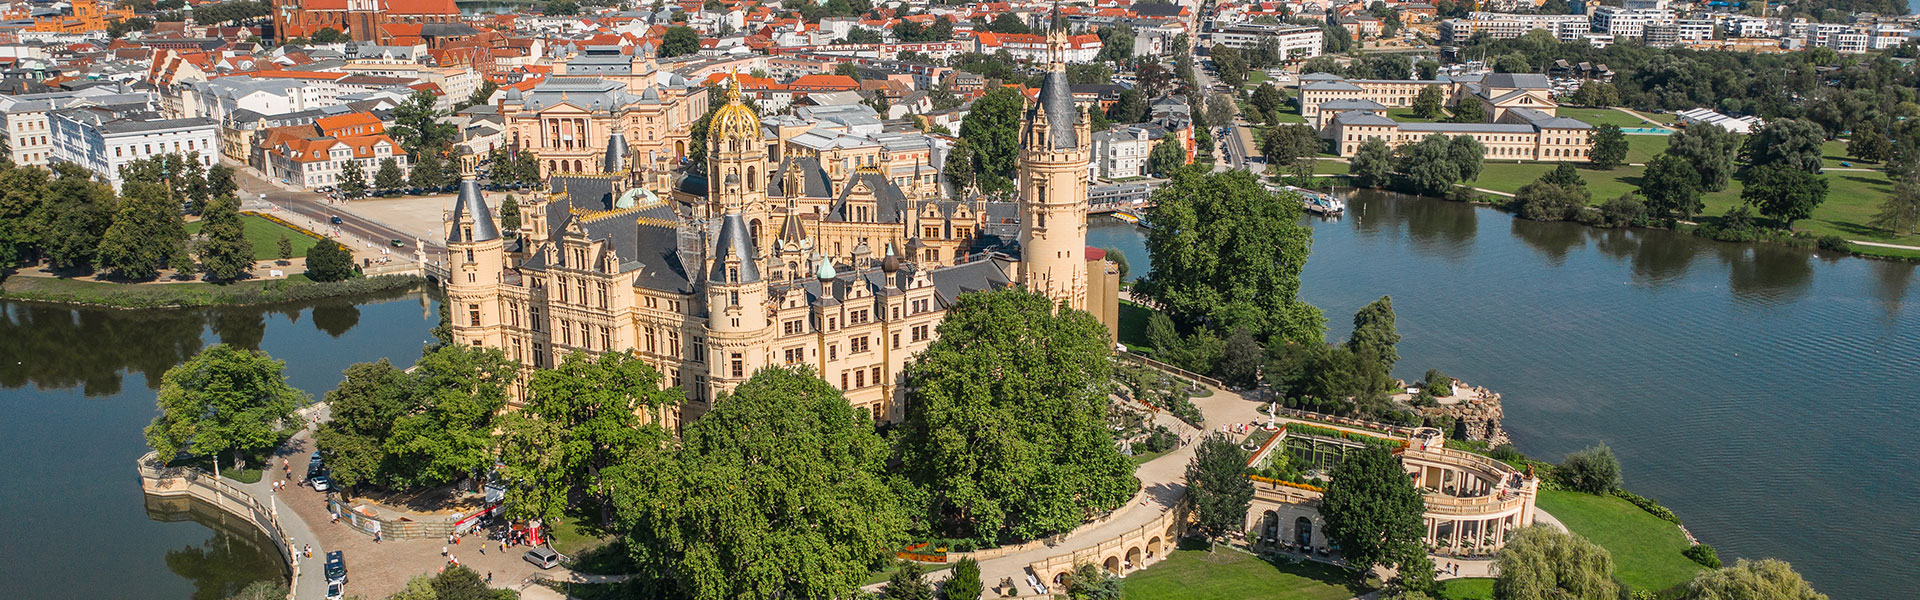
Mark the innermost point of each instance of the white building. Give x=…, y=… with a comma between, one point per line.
x=1701, y=116
x=1623, y=22
x=1502, y=26
x=1120, y=153
x=27, y=129
x=102, y=143
x=1296, y=42
x=1740, y=26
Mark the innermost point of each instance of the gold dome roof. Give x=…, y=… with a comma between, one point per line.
x=734, y=119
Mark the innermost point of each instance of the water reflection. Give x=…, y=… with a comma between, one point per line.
x=1552, y=240
x=1766, y=274
x=1891, y=279
x=237, y=555
x=93, y=348
x=1443, y=229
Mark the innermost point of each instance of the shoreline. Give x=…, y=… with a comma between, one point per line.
x=176, y=296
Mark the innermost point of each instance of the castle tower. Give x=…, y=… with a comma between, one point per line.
x=477, y=255
x=1056, y=144
x=738, y=327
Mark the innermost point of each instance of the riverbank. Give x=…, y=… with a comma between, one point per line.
x=294, y=288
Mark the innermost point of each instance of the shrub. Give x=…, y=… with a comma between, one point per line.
x=1593, y=470
x=1834, y=243
x=1647, y=504
x=1439, y=383
x=1703, y=554
x=329, y=261
x=1506, y=452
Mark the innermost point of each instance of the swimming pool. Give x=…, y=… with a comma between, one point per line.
x=1647, y=130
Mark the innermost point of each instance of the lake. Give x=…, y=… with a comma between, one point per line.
x=1766, y=394
x=76, y=388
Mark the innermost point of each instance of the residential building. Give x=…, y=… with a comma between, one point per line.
x=1501, y=26
x=1121, y=153
x=1295, y=42
x=1624, y=22
x=102, y=141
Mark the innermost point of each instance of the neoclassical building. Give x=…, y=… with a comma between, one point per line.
x=1521, y=115
x=765, y=258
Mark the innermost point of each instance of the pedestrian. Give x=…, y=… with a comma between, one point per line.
x=489, y=576
x=483, y=549
x=443, y=550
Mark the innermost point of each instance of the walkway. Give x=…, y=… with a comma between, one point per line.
x=311, y=581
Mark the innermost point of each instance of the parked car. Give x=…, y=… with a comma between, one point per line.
x=545, y=558
x=335, y=592
x=322, y=483
x=336, y=567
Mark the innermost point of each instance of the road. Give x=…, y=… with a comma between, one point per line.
x=357, y=232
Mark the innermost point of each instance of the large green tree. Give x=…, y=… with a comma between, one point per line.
x=1226, y=254
x=1900, y=211
x=1790, y=143
x=370, y=397
x=146, y=229
x=225, y=401
x=1609, y=147
x=1375, y=515
x=992, y=128
x=389, y=177
x=780, y=491
x=679, y=40
x=1543, y=563
x=1784, y=194
x=1433, y=165
x=959, y=168
x=76, y=215
x=1372, y=165
x=1768, y=579
x=329, y=261
x=580, y=419
x=1710, y=150
x=449, y=433
x=1166, y=156
x=1672, y=187
x=965, y=583
x=1430, y=103
x=1005, y=436
x=417, y=126
x=225, y=254
x=353, y=180
x=1217, y=485
x=1289, y=146
x=22, y=195
x=1593, y=470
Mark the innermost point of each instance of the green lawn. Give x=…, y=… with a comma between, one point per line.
x=1642, y=148
x=1133, y=323
x=1852, y=198
x=1472, y=588
x=1405, y=115
x=1834, y=152
x=265, y=236
x=1255, y=78
x=1234, y=575
x=1646, y=550
x=1605, y=116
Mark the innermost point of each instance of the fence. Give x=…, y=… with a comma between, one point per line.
x=160, y=480
x=1142, y=359
x=389, y=529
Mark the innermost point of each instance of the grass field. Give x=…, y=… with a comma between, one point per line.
x=1133, y=324
x=1604, y=116
x=1834, y=152
x=1405, y=115
x=1646, y=550
x=1852, y=198
x=265, y=236
x=1472, y=588
x=1235, y=575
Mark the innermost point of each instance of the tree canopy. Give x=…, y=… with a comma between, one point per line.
x=778, y=492
x=147, y=230
x=1218, y=486
x=1226, y=254
x=992, y=129
x=1375, y=515
x=1005, y=435
x=421, y=429
x=1543, y=563
x=1769, y=579
x=580, y=419
x=1783, y=193
x=224, y=399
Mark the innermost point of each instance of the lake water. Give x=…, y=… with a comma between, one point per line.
x=76, y=388
x=1766, y=394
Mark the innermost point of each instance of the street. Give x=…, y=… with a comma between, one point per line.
x=359, y=234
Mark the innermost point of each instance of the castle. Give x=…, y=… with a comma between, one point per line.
x=767, y=257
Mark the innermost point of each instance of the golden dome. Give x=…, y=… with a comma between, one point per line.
x=734, y=120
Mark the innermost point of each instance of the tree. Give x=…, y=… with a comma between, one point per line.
x=146, y=229
x=285, y=247
x=510, y=216
x=429, y=171
x=481, y=96
x=1230, y=66
x=959, y=168
x=1869, y=146
x=1672, y=187
x=1595, y=93
x=1220, y=110
x=1119, y=259
x=1622, y=211
x=1267, y=98
x=1544, y=200
x=225, y=254
x=353, y=181
x=1008, y=22
x=73, y=214
x=965, y=582
x=22, y=195
x=329, y=261
x=1593, y=470
x=1430, y=104
x=262, y=590
x=1768, y=579
x=1374, y=334
x=1166, y=156
x=223, y=400
x=329, y=35
x=580, y=419
x=1374, y=513
x=1564, y=174
x=1468, y=111
x=1334, y=39
x=1089, y=582
x=1512, y=63
x=992, y=128
x=369, y=398
x=1131, y=107
x=1609, y=147
x=388, y=178
x=461, y=583
x=1240, y=357
x=458, y=389
x=779, y=491
x=1784, y=194
x=1005, y=434
x=417, y=126
x=1429, y=166
x=1372, y=165
x=1218, y=486
x=1287, y=146
x=1226, y=254
x=1710, y=150
x=679, y=40
x=1541, y=563
x=1791, y=143
x=1901, y=210
x=909, y=582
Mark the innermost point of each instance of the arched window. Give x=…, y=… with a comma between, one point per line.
x=752, y=176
